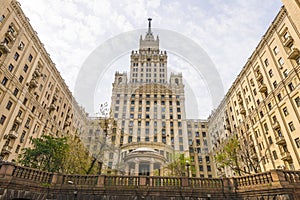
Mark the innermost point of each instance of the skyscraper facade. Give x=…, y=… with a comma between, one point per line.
x=149, y=111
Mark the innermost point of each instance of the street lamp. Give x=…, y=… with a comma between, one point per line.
x=75, y=191
x=187, y=164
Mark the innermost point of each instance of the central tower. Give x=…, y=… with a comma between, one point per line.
x=149, y=113
x=149, y=64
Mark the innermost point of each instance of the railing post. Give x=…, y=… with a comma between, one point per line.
x=229, y=184
x=57, y=179
x=278, y=178
x=184, y=182
x=143, y=181
x=6, y=169
x=100, y=182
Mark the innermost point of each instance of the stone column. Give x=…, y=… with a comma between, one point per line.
x=127, y=172
x=151, y=169
x=136, y=168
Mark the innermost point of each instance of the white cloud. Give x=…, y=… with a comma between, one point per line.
x=227, y=30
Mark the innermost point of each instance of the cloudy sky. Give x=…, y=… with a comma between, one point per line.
x=228, y=31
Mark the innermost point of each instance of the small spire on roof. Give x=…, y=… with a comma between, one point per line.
x=149, y=26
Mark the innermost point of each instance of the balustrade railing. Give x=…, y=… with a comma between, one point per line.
x=253, y=179
x=205, y=183
x=122, y=181
x=80, y=179
x=258, y=180
x=292, y=176
x=32, y=174
x=164, y=181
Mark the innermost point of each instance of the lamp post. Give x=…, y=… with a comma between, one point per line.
x=187, y=164
x=75, y=192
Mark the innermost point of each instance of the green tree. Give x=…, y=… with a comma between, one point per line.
x=239, y=156
x=48, y=154
x=77, y=159
x=179, y=166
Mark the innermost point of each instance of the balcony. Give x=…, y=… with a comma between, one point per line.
x=279, y=140
x=259, y=76
x=276, y=125
x=288, y=42
x=240, y=101
x=52, y=107
x=18, y=120
x=294, y=54
x=37, y=72
x=243, y=111
x=251, y=143
x=6, y=150
x=262, y=88
x=286, y=156
x=55, y=97
x=13, y=134
x=227, y=127
x=254, y=156
x=33, y=84
x=4, y=47
x=11, y=35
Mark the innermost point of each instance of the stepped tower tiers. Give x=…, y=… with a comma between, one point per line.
x=149, y=113
x=148, y=64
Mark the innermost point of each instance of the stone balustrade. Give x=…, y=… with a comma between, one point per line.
x=38, y=183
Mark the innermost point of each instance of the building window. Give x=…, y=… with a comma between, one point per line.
x=291, y=87
x=275, y=155
x=16, y=56
x=9, y=104
x=25, y=68
x=16, y=91
x=270, y=140
x=30, y=57
x=18, y=149
x=275, y=84
x=25, y=101
x=2, y=18
x=281, y=61
x=4, y=81
x=291, y=125
x=285, y=111
x=297, y=141
x=266, y=62
x=297, y=101
x=21, y=78
x=270, y=73
x=254, y=92
x=181, y=147
x=2, y=119
x=286, y=35
x=10, y=67
x=279, y=97
x=208, y=168
x=285, y=73
x=270, y=106
x=276, y=50
x=266, y=127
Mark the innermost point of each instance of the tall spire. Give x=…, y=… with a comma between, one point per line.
x=149, y=42
x=149, y=26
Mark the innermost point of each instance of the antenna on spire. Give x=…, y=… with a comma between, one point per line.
x=149, y=26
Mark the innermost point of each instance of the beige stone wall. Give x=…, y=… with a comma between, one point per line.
x=34, y=99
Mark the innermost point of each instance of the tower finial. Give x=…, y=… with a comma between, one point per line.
x=149, y=26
